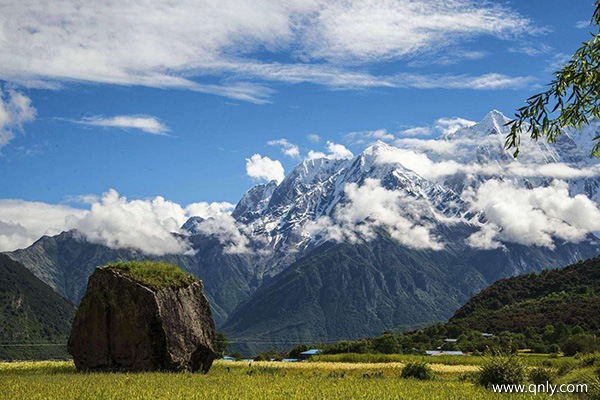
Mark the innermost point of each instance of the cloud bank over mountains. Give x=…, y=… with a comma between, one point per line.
x=535, y=216
x=370, y=207
x=465, y=176
x=113, y=220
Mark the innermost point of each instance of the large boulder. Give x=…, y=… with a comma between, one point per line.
x=143, y=317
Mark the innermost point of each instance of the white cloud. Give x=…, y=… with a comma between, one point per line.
x=532, y=216
x=263, y=168
x=170, y=44
x=448, y=126
x=208, y=210
x=492, y=81
x=371, y=207
x=23, y=222
x=371, y=29
x=224, y=228
x=340, y=78
x=15, y=110
x=110, y=219
x=335, y=151
x=338, y=152
x=583, y=24
x=146, y=225
x=144, y=123
x=313, y=155
x=287, y=148
x=416, y=131
x=363, y=137
x=420, y=163
x=532, y=49
x=436, y=146
x=442, y=126
x=313, y=138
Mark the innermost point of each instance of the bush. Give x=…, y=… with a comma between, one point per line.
x=540, y=376
x=554, y=348
x=581, y=343
x=418, y=370
x=594, y=390
x=565, y=367
x=589, y=360
x=501, y=369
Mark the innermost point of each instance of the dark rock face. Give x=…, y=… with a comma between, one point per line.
x=122, y=325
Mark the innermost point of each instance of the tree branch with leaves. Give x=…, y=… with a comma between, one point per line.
x=573, y=98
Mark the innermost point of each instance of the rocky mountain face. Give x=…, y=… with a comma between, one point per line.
x=348, y=247
x=66, y=261
x=344, y=291
x=31, y=313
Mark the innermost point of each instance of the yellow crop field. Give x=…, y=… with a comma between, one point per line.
x=241, y=380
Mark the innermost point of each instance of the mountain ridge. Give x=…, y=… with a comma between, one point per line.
x=418, y=206
x=32, y=313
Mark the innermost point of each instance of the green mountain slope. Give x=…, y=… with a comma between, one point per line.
x=349, y=291
x=570, y=295
x=31, y=312
x=66, y=261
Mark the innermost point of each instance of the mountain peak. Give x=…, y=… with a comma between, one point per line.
x=254, y=201
x=492, y=124
x=494, y=120
x=377, y=148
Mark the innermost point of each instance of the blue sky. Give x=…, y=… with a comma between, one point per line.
x=272, y=71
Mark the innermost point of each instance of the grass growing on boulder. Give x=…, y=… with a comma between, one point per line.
x=153, y=274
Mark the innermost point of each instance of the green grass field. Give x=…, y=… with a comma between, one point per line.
x=238, y=380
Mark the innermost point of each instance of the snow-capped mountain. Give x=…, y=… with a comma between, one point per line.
x=437, y=179
x=481, y=147
x=402, y=233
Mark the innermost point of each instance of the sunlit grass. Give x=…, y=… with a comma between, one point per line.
x=156, y=275
x=240, y=380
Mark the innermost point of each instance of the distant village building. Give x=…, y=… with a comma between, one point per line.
x=450, y=340
x=309, y=353
x=436, y=353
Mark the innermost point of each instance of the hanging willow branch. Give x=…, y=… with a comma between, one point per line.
x=573, y=98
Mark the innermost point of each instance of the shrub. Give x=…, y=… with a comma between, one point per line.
x=501, y=369
x=594, y=389
x=418, y=370
x=540, y=376
x=581, y=343
x=554, y=348
x=589, y=360
x=565, y=367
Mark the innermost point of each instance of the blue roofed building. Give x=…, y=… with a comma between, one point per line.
x=309, y=353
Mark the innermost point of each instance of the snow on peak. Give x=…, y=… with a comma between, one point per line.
x=494, y=123
x=254, y=201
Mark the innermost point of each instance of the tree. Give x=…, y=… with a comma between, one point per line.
x=581, y=343
x=573, y=98
x=221, y=343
